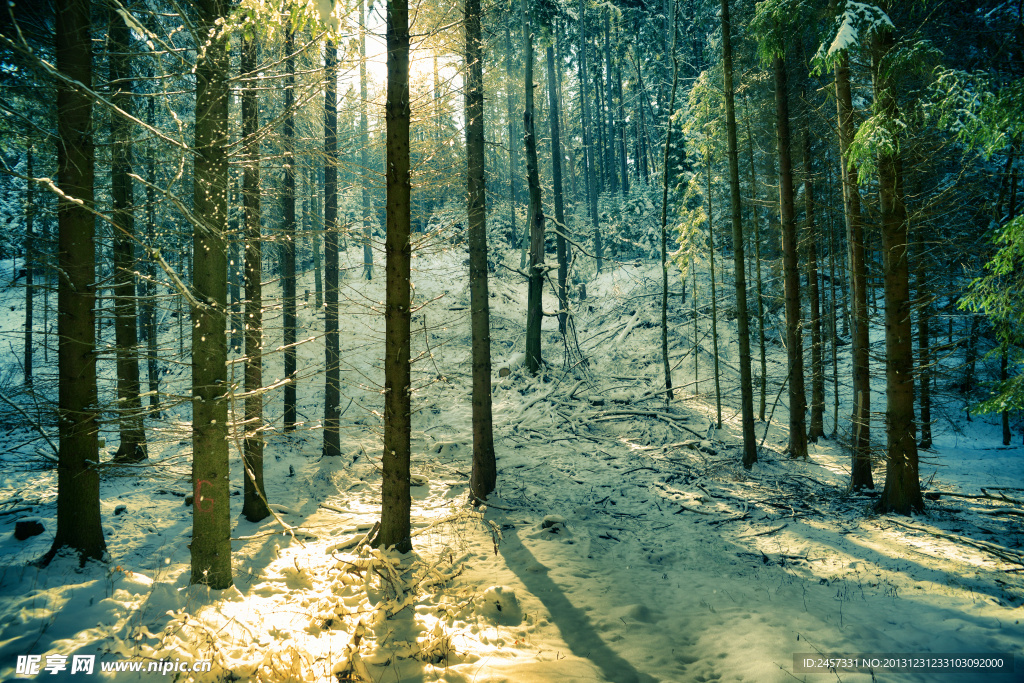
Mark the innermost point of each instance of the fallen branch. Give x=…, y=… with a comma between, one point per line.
x=997, y=550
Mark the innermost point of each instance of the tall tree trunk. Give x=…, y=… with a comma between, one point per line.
x=556, y=178
x=1005, y=415
x=817, y=429
x=791, y=269
x=133, y=434
x=332, y=355
x=591, y=163
x=714, y=292
x=396, y=499
x=513, y=142
x=484, y=475
x=608, y=118
x=254, y=502
x=667, y=366
x=760, y=281
x=860, y=470
x=30, y=260
x=535, y=218
x=78, y=483
x=315, y=236
x=833, y=308
x=211, y=512
x=742, y=326
x=152, y=329
x=364, y=150
x=902, y=492
x=620, y=122
x=924, y=360
x=288, y=246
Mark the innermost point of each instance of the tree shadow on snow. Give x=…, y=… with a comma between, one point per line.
x=575, y=626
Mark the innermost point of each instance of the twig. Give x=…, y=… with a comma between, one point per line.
x=31, y=422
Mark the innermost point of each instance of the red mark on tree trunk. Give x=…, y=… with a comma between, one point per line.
x=203, y=503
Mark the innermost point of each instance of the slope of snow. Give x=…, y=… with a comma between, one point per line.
x=624, y=541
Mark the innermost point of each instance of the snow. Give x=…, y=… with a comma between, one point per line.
x=624, y=542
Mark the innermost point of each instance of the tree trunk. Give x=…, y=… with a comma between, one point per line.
x=742, y=326
x=133, y=434
x=556, y=179
x=1003, y=376
x=332, y=356
x=288, y=246
x=513, y=143
x=364, y=150
x=664, y=226
x=791, y=269
x=817, y=429
x=760, y=281
x=152, y=329
x=902, y=492
x=211, y=512
x=608, y=119
x=924, y=360
x=78, y=484
x=860, y=469
x=833, y=327
x=535, y=218
x=30, y=261
x=396, y=499
x=591, y=171
x=484, y=474
x=620, y=122
x=254, y=503
x=714, y=292
x=315, y=236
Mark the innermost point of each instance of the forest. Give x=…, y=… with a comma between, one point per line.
x=612, y=341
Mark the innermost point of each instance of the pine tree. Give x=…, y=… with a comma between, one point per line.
x=396, y=499
x=78, y=483
x=484, y=475
x=211, y=511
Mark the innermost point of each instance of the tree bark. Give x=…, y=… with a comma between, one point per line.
x=608, y=112
x=535, y=218
x=78, y=484
x=591, y=171
x=254, y=502
x=211, y=512
x=30, y=261
x=484, y=474
x=133, y=434
x=760, y=281
x=902, y=491
x=152, y=329
x=396, y=499
x=742, y=326
x=288, y=276
x=364, y=150
x=791, y=269
x=556, y=179
x=860, y=466
x=332, y=355
x=667, y=366
x=513, y=143
x=714, y=292
x=817, y=428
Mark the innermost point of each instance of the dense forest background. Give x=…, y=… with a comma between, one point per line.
x=377, y=247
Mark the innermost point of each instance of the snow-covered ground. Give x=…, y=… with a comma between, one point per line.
x=624, y=542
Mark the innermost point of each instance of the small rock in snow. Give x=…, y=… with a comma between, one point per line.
x=120, y=510
x=27, y=528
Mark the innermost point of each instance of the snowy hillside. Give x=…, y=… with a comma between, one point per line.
x=625, y=542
